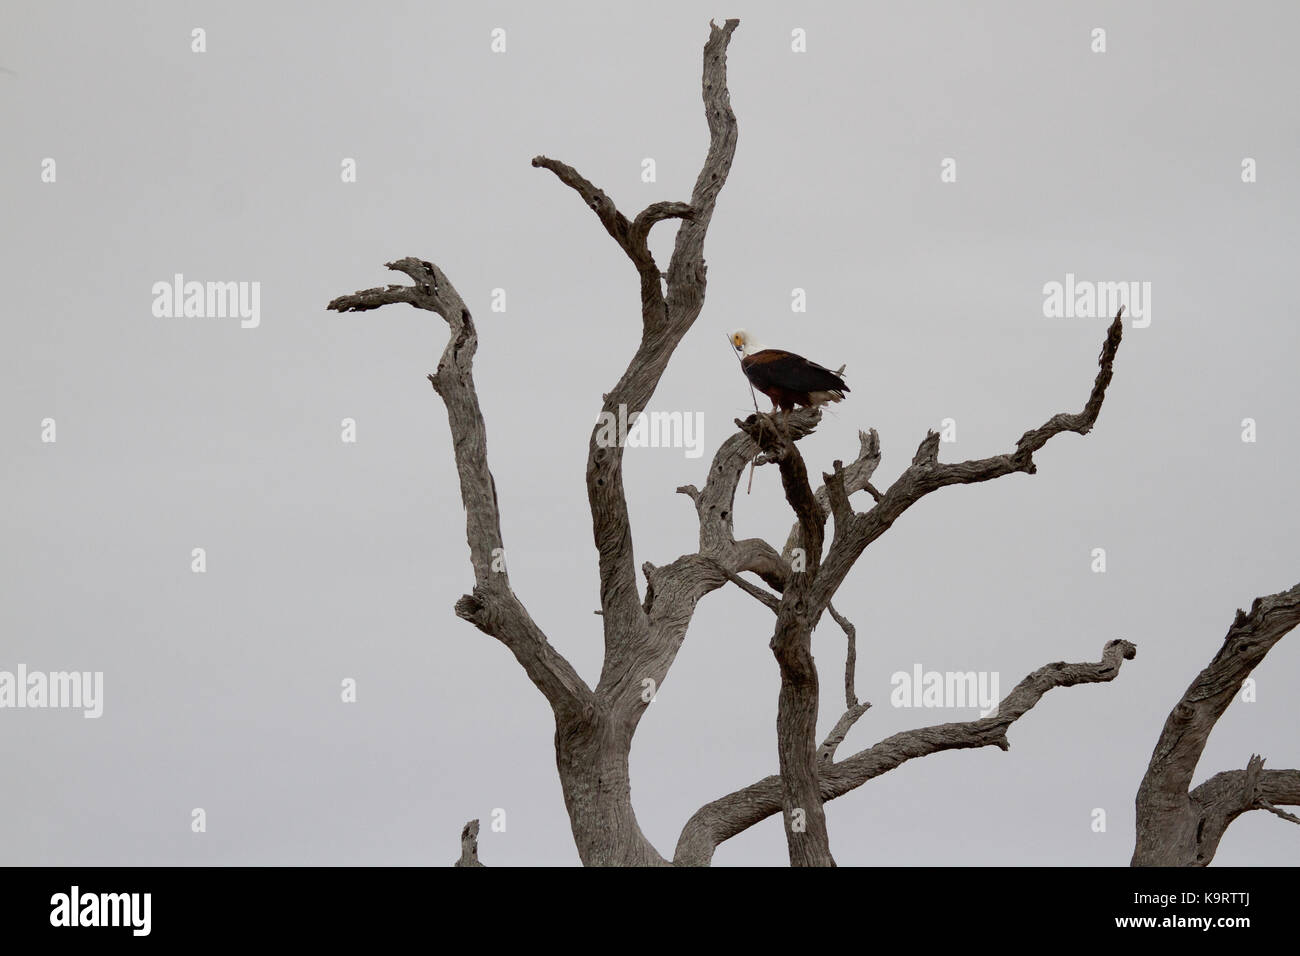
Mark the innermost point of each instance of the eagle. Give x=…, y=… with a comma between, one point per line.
x=787, y=379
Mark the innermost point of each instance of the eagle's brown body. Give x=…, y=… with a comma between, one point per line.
x=790, y=380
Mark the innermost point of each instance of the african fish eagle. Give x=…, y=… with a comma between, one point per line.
x=787, y=379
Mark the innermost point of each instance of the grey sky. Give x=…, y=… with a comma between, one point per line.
x=329, y=560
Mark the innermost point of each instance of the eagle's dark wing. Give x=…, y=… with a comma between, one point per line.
x=794, y=373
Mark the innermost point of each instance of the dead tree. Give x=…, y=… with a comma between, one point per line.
x=643, y=631
x=1176, y=827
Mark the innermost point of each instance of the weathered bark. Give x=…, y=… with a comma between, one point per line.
x=469, y=846
x=592, y=758
x=1179, y=826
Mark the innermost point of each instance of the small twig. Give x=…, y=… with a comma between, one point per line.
x=1265, y=805
x=826, y=752
x=753, y=398
x=1252, y=786
x=766, y=598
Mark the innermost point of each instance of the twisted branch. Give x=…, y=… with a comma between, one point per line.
x=492, y=606
x=927, y=474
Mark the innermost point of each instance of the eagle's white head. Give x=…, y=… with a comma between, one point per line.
x=744, y=343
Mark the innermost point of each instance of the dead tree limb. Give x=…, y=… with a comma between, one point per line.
x=857, y=477
x=727, y=816
x=851, y=655
x=1181, y=826
x=927, y=474
x=492, y=606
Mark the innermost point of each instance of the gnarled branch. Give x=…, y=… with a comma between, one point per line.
x=857, y=477
x=927, y=474
x=492, y=606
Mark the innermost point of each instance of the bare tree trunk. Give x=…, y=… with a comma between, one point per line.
x=796, y=733
x=798, y=703
x=592, y=758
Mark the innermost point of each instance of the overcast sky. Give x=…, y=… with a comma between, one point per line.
x=329, y=560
